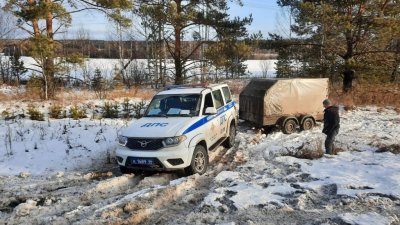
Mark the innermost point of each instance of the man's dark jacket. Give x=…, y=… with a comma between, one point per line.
x=331, y=119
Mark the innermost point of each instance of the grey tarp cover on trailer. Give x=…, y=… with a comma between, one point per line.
x=272, y=98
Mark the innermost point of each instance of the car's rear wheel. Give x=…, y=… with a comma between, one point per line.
x=230, y=141
x=199, y=161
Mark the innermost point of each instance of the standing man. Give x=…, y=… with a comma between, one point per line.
x=331, y=125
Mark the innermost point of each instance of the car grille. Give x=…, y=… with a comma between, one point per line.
x=144, y=143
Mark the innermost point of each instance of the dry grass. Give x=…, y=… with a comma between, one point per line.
x=132, y=93
x=70, y=96
x=363, y=94
x=17, y=96
x=394, y=148
x=367, y=94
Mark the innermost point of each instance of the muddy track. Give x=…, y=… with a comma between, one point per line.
x=103, y=197
x=171, y=198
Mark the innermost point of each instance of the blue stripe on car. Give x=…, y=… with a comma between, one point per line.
x=206, y=119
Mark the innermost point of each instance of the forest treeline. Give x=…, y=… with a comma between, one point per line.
x=105, y=49
x=342, y=40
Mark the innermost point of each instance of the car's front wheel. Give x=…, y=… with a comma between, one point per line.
x=199, y=161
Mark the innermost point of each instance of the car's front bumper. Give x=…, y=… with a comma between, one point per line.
x=171, y=158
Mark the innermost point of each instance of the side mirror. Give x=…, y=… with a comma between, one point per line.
x=141, y=112
x=211, y=111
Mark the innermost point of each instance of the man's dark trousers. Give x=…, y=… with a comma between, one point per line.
x=330, y=138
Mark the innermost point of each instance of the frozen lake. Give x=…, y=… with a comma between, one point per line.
x=255, y=68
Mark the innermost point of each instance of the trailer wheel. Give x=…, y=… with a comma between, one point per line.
x=289, y=127
x=308, y=124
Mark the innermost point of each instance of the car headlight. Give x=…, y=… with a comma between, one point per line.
x=171, y=141
x=122, y=140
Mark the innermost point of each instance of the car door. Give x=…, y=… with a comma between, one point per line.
x=221, y=120
x=231, y=113
x=211, y=126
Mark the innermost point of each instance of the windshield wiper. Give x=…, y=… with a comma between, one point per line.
x=161, y=115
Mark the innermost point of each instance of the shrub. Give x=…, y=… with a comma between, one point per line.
x=77, y=112
x=394, y=148
x=126, y=108
x=56, y=112
x=35, y=114
x=99, y=84
x=34, y=87
x=137, y=106
x=110, y=110
x=6, y=114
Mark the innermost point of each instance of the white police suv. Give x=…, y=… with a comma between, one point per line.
x=177, y=130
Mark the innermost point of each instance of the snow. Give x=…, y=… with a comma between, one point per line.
x=56, y=145
x=253, y=182
x=226, y=175
x=365, y=219
x=11, y=90
x=252, y=194
x=255, y=67
x=357, y=172
x=42, y=147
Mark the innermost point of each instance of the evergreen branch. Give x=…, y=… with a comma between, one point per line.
x=193, y=51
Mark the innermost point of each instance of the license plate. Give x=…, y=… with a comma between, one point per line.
x=142, y=161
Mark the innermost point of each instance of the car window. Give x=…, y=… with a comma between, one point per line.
x=227, y=94
x=208, y=102
x=218, y=100
x=174, y=105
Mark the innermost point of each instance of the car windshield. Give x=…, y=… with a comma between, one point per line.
x=174, y=105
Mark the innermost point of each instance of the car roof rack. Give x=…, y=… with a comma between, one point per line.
x=183, y=86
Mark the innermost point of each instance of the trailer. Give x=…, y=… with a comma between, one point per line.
x=287, y=103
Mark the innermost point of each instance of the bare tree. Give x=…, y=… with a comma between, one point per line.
x=265, y=66
x=82, y=37
x=7, y=26
x=283, y=22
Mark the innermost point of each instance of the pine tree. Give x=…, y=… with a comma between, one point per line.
x=231, y=50
x=17, y=66
x=180, y=18
x=98, y=84
x=345, y=35
x=38, y=19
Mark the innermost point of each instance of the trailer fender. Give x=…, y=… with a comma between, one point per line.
x=302, y=118
x=281, y=122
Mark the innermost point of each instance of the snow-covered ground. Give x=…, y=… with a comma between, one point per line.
x=255, y=182
x=57, y=145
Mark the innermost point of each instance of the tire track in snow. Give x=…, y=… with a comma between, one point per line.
x=100, y=196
